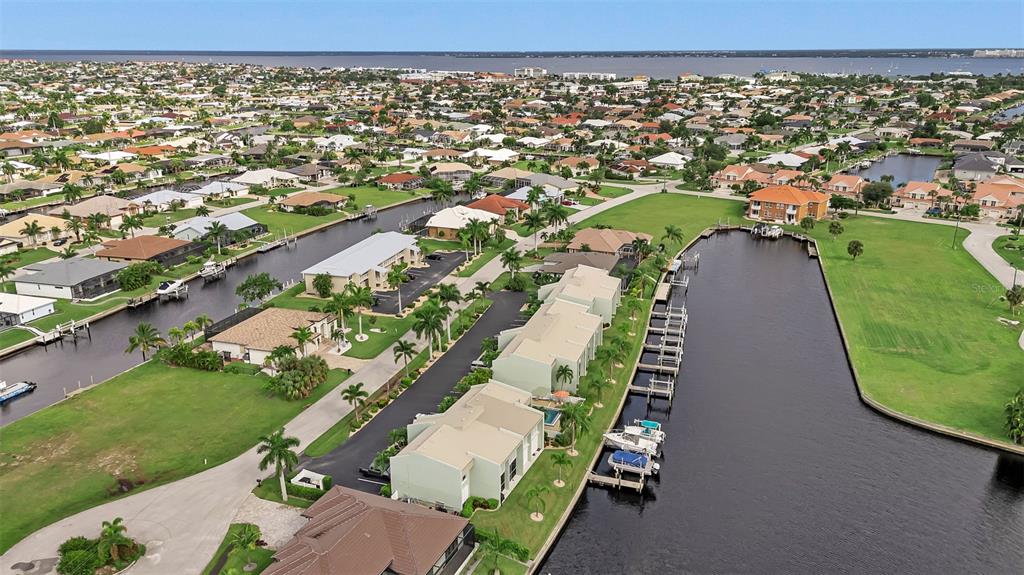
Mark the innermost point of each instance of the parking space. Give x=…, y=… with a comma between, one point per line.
x=421, y=280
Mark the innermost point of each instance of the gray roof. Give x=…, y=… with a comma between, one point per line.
x=551, y=180
x=69, y=272
x=234, y=221
x=363, y=256
x=976, y=162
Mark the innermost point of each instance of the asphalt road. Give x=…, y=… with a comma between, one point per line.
x=422, y=280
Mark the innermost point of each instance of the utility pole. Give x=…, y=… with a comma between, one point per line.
x=956, y=229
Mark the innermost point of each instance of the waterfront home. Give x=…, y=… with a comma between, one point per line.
x=367, y=263
x=76, y=278
x=500, y=205
x=558, y=263
x=670, y=160
x=577, y=165
x=451, y=171
x=587, y=286
x=737, y=173
x=267, y=177
x=402, y=181
x=220, y=189
x=162, y=200
x=305, y=200
x=253, y=339
x=51, y=229
x=113, y=207
x=918, y=195
x=606, y=241
x=236, y=224
x=165, y=251
x=481, y=446
x=561, y=333
x=784, y=159
x=786, y=204
x=500, y=178
x=999, y=198
x=356, y=533
x=446, y=223
x=16, y=309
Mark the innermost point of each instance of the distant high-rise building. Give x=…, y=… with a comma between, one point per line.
x=530, y=72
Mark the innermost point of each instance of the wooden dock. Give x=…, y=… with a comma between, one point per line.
x=143, y=299
x=664, y=388
x=615, y=481
x=669, y=369
x=812, y=250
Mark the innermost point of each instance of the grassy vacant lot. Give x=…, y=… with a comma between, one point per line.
x=151, y=425
x=237, y=559
x=22, y=258
x=652, y=213
x=613, y=191
x=1011, y=249
x=279, y=223
x=377, y=197
x=921, y=323
x=505, y=566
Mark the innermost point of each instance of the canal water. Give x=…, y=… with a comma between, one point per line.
x=903, y=168
x=59, y=367
x=773, y=465
x=1009, y=113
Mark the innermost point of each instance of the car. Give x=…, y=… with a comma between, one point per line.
x=933, y=212
x=60, y=241
x=433, y=256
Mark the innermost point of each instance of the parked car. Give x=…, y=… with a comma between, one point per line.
x=933, y=212
x=60, y=241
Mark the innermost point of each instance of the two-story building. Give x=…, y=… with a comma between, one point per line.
x=786, y=204
x=367, y=263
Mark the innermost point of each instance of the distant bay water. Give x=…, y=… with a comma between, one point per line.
x=654, y=65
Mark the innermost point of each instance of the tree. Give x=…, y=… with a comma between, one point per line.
x=341, y=307
x=395, y=278
x=534, y=222
x=1015, y=417
x=323, y=284
x=634, y=306
x=246, y=537
x=448, y=295
x=217, y=231
x=673, y=233
x=563, y=375
x=576, y=419
x=277, y=450
x=1015, y=298
x=74, y=225
x=404, y=350
x=203, y=210
x=202, y=321
x=835, y=229
x=556, y=214
x=855, y=248
x=72, y=193
x=354, y=395
x=256, y=287
x=361, y=299
x=512, y=260
x=9, y=171
x=113, y=539
x=807, y=223
x=130, y=224
x=31, y=230
x=559, y=459
x=482, y=288
x=876, y=192
x=427, y=322
x=302, y=336
x=606, y=355
x=145, y=338
x=535, y=501
x=68, y=252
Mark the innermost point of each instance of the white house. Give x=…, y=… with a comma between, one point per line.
x=254, y=339
x=588, y=286
x=367, y=263
x=446, y=223
x=672, y=160
x=16, y=309
x=267, y=177
x=160, y=200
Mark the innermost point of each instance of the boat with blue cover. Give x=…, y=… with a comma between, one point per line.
x=632, y=463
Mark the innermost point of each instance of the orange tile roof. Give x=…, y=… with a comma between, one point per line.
x=497, y=204
x=788, y=195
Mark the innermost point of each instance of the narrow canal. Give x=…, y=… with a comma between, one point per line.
x=772, y=464
x=59, y=367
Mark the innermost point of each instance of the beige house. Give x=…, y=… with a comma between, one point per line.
x=253, y=339
x=605, y=241
x=50, y=229
x=482, y=446
x=587, y=286
x=113, y=207
x=367, y=263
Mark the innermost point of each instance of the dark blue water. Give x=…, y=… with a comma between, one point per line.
x=773, y=465
x=653, y=66
x=903, y=168
x=1010, y=113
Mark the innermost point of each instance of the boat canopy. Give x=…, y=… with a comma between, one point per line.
x=628, y=458
x=648, y=424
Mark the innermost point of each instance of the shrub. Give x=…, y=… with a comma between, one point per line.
x=138, y=275
x=323, y=284
x=77, y=544
x=385, y=490
x=374, y=408
x=328, y=482
x=182, y=355
x=513, y=548
x=492, y=503
x=383, y=402
x=241, y=368
x=310, y=493
x=78, y=562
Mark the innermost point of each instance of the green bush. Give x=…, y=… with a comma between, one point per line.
x=241, y=368
x=474, y=503
x=78, y=562
x=310, y=493
x=383, y=402
x=492, y=503
x=78, y=544
x=138, y=275
x=182, y=355
x=328, y=482
x=374, y=408
x=385, y=490
x=513, y=548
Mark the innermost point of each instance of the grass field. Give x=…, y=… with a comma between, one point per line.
x=22, y=258
x=151, y=425
x=1011, y=249
x=14, y=336
x=237, y=559
x=279, y=223
x=613, y=191
x=33, y=202
x=377, y=197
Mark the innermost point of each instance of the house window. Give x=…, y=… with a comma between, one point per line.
x=512, y=469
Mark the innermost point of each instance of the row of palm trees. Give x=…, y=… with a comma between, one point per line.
x=147, y=338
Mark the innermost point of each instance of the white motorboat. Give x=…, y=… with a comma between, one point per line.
x=632, y=442
x=9, y=392
x=646, y=428
x=212, y=269
x=633, y=463
x=169, y=287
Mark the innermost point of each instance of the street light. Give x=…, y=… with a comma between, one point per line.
x=956, y=229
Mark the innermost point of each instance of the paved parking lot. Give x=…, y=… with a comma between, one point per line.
x=440, y=265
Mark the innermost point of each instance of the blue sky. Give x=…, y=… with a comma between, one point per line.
x=508, y=25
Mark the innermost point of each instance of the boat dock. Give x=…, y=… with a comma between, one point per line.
x=664, y=388
x=615, y=481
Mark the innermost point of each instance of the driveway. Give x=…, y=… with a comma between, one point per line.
x=423, y=397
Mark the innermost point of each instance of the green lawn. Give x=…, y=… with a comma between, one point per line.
x=158, y=219
x=279, y=223
x=652, y=213
x=237, y=559
x=270, y=489
x=151, y=425
x=377, y=197
x=330, y=439
x=230, y=202
x=613, y=191
x=14, y=336
x=431, y=245
x=489, y=253
x=33, y=202
x=277, y=192
x=1011, y=249
x=22, y=258
x=505, y=565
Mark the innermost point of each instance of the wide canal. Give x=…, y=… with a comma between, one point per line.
x=773, y=465
x=61, y=367
x=902, y=167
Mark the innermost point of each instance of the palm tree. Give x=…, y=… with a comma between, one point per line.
x=72, y=193
x=606, y=355
x=176, y=334
x=361, y=298
x=302, y=336
x=563, y=375
x=535, y=501
x=855, y=248
x=395, y=278
x=448, y=294
x=74, y=225
x=533, y=196
x=482, y=288
x=278, y=450
x=1015, y=298
x=31, y=230
x=478, y=231
x=203, y=210
x=190, y=328
x=202, y=321
x=556, y=214
x=834, y=229
x=145, y=338
x=576, y=418
x=404, y=350
x=246, y=537
x=9, y=170
x=534, y=222
x=427, y=322
x=217, y=230
x=559, y=459
x=6, y=271
x=340, y=306
x=68, y=252
x=113, y=538
x=354, y=395
x=512, y=260
x=639, y=247
x=131, y=223
x=61, y=160
x=673, y=233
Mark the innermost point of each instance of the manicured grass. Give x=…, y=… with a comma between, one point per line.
x=588, y=201
x=652, y=213
x=377, y=197
x=237, y=559
x=22, y=258
x=489, y=253
x=158, y=219
x=151, y=425
x=1011, y=249
x=512, y=519
x=505, y=565
x=431, y=245
x=277, y=192
x=921, y=322
x=230, y=202
x=33, y=202
x=270, y=490
x=14, y=336
x=613, y=191
x=331, y=439
x=278, y=223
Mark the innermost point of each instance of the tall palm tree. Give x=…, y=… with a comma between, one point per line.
x=341, y=307
x=556, y=214
x=482, y=288
x=576, y=418
x=449, y=295
x=477, y=232
x=559, y=459
x=278, y=453
x=302, y=336
x=203, y=210
x=395, y=278
x=427, y=322
x=533, y=196
x=534, y=222
x=68, y=252
x=404, y=350
x=606, y=355
x=639, y=247
x=202, y=321
x=217, y=230
x=176, y=334
x=131, y=223
x=145, y=338
x=74, y=225
x=31, y=230
x=361, y=299
x=354, y=395
x=673, y=233
x=72, y=193
x=535, y=500
x=9, y=170
x=512, y=260
x=563, y=375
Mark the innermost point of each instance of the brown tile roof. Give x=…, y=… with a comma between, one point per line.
x=139, y=248
x=399, y=178
x=604, y=240
x=269, y=328
x=497, y=204
x=358, y=533
x=304, y=199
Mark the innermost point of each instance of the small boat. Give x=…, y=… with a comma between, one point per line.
x=212, y=270
x=9, y=392
x=626, y=441
x=169, y=287
x=646, y=428
x=865, y=164
x=773, y=233
x=633, y=463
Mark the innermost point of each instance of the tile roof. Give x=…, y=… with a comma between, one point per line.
x=269, y=328
x=139, y=248
x=788, y=195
